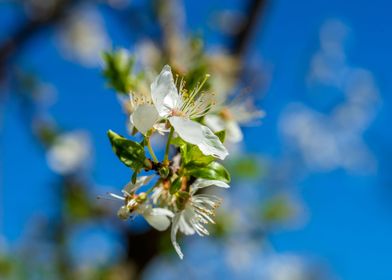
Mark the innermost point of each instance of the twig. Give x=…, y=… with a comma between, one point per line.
x=253, y=14
x=29, y=29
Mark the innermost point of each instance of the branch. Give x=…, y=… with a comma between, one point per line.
x=241, y=40
x=28, y=30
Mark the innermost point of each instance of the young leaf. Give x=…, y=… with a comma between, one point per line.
x=196, y=157
x=221, y=135
x=191, y=153
x=183, y=146
x=118, y=69
x=129, y=152
x=212, y=171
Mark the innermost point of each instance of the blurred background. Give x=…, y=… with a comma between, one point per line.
x=310, y=196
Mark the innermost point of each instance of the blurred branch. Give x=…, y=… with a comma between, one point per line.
x=30, y=28
x=241, y=40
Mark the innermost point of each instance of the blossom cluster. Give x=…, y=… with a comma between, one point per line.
x=194, y=128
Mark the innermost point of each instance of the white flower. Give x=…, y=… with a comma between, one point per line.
x=198, y=210
x=230, y=117
x=143, y=113
x=82, y=35
x=70, y=152
x=158, y=218
x=160, y=195
x=180, y=111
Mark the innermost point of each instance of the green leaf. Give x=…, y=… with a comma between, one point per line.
x=191, y=154
x=246, y=167
x=212, y=171
x=221, y=135
x=175, y=186
x=196, y=157
x=183, y=146
x=129, y=152
x=278, y=209
x=118, y=66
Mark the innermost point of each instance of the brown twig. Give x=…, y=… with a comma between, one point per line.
x=29, y=29
x=253, y=14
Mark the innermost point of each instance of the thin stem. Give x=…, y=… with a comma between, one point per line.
x=166, y=158
x=154, y=157
x=153, y=187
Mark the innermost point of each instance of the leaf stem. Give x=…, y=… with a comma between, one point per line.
x=166, y=157
x=154, y=157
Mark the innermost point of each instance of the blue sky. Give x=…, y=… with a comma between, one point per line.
x=349, y=224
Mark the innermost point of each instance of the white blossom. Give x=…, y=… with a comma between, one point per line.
x=83, y=36
x=180, y=111
x=69, y=153
x=198, y=210
x=134, y=204
x=231, y=117
x=142, y=112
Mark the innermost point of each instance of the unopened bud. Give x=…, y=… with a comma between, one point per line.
x=123, y=213
x=164, y=171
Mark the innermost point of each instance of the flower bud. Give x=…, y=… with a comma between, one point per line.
x=123, y=213
x=164, y=171
x=181, y=199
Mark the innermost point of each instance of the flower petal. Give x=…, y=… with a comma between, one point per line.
x=164, y=93
x=161, y=128
x=184, y=226
x=244, y=111
x=200, y=135
x=202, y=183
x=162, y=211
x=144, y=117
x=159, y=222
x=173, y=234
x=233, y=132
x=140, y=181
x=214, y=122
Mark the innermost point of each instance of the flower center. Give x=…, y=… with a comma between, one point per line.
x=226, y=114
x=177, y=113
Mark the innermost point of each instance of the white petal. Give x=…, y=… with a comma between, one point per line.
x=144, y=117
x=173, y=234
x=200, y=135
x=140, y=181
x=161, y=128
x=212, y=145
x=164, y=93
x=244, y=111
x=233, y=132
x=159, y=222
x=202, y=183
x=185, y=226
x=162, y=211
x=214, y=122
